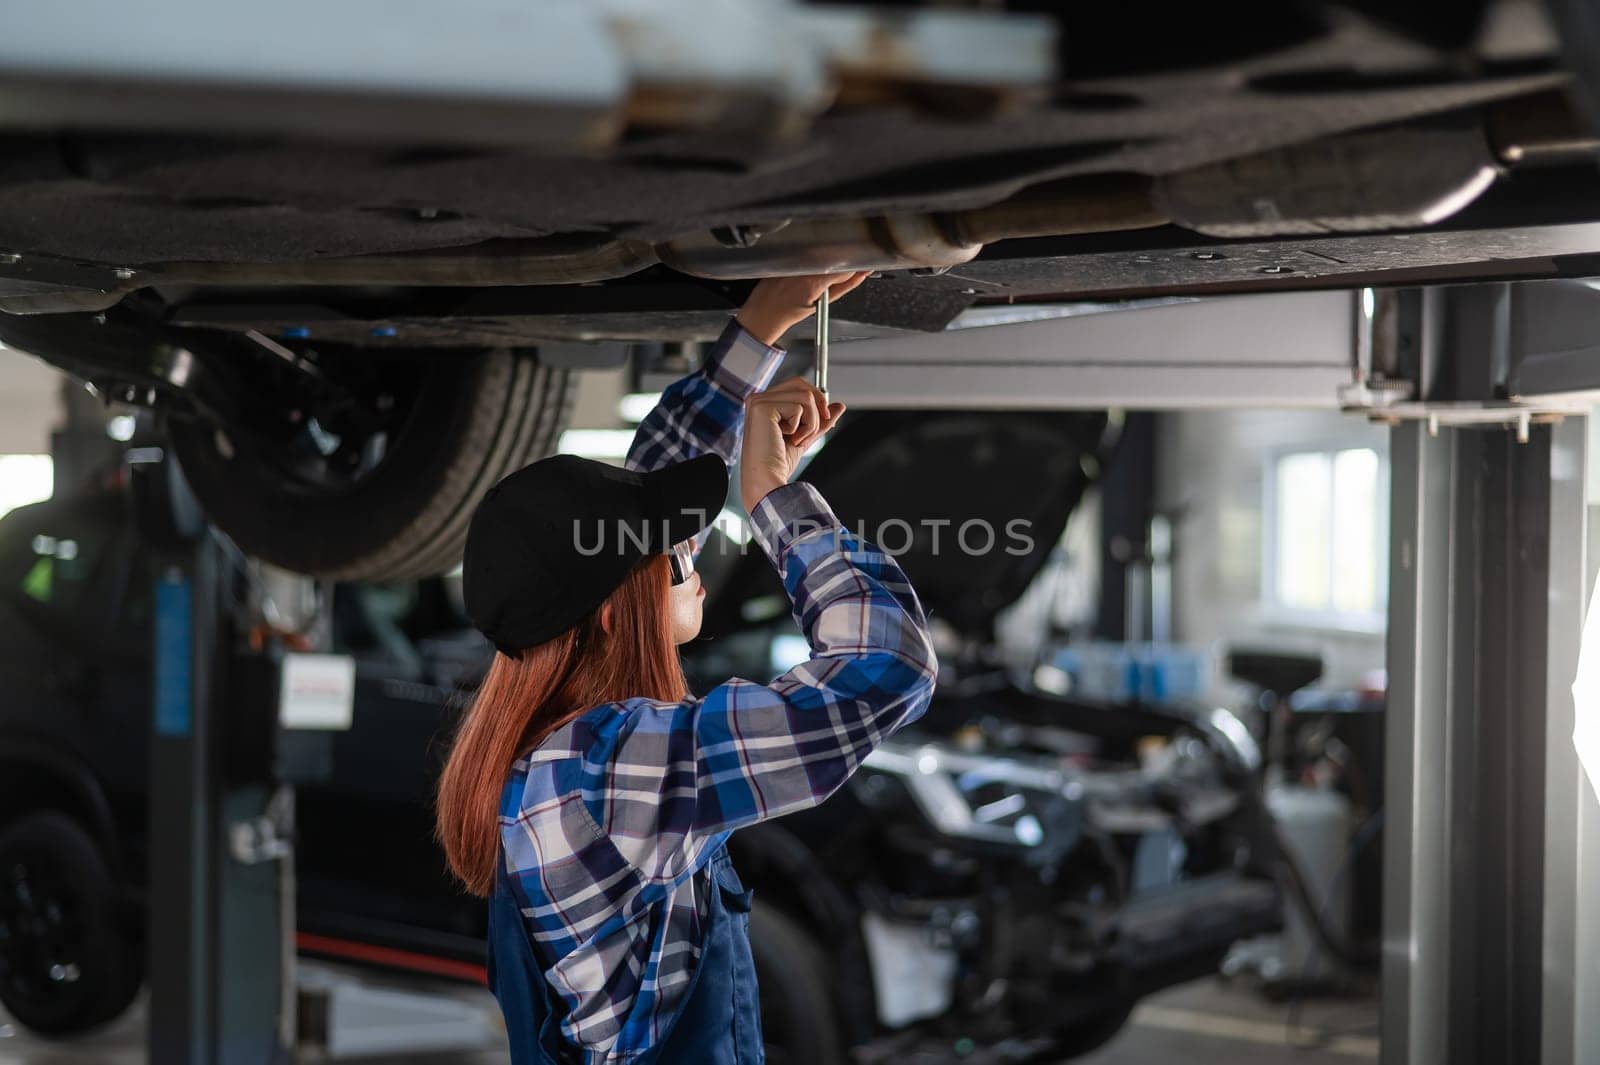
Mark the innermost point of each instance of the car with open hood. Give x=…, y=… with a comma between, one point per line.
x=1006, y=877
x=353, y=254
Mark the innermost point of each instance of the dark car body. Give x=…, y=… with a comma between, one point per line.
x=75, y=726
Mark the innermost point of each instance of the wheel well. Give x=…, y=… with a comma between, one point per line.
x=32, y=785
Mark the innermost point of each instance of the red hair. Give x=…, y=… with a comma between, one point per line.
x=525, y=698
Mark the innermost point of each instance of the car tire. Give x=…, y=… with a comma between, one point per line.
x=798, y=1023
x=1092, y=1034
x=67, y=963
x=477, y=417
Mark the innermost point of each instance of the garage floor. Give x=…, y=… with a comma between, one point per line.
x=1203, y=1023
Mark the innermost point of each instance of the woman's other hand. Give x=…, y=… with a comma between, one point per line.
x=779, y=425
x=779, y=303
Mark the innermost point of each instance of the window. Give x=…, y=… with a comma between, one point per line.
x=24, y=479
x=1327, y=552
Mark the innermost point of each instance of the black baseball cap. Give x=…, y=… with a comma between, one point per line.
x=549, y=543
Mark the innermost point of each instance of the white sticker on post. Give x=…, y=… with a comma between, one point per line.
x=318, y=691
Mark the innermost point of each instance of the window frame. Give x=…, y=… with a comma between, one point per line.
x=1329, y=619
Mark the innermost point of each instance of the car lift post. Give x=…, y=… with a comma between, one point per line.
x=217, y=921
x=1491, y=841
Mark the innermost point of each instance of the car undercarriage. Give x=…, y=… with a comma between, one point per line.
x=306, y=267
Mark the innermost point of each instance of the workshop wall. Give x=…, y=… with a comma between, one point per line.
x=595, y=405
x=29, y=411
x=1212, y=472
x=29, y=407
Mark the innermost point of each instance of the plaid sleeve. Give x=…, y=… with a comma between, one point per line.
x=703, y=412
x=685, y=774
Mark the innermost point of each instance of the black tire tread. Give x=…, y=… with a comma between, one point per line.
x=790, y=950
x=504, y=411
x=545, y=402
x=1090, y=1035
x=121, y=971
x=497, y=436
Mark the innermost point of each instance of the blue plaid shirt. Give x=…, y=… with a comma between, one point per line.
x=608, y=825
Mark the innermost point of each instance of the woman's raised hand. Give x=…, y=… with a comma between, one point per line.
x=779, y=424
x=778, y=303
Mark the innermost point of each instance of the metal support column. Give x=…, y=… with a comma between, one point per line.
x=1492, y=840
x=216, y=924
x=1470, y=685
x=1415, y=924
x=183, y=812
x=1571, y=935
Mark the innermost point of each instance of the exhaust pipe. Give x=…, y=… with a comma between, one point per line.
x=829, y=245
x=825, y=245
x=916, y=241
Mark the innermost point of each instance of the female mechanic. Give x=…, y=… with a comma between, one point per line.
x=588, y=795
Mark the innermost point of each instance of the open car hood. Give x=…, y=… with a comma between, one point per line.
x=913, y=481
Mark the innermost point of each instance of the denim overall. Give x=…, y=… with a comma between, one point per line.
x=719, y=1022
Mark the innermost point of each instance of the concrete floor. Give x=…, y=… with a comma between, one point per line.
x=1203, y=1023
